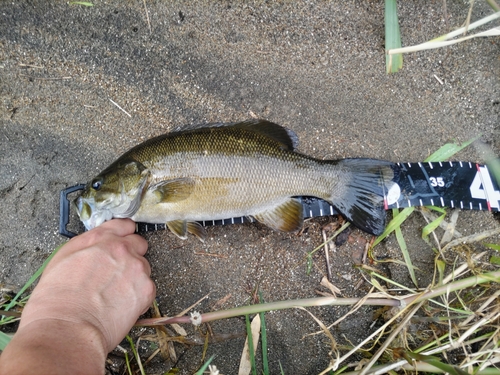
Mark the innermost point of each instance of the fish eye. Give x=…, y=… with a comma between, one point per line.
x=96, y=184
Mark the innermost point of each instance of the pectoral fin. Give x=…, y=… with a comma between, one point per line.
x=173, y=190
x=182, y=227
x=286, y=217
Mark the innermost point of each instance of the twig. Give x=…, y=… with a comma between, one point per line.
x=391, y=337
x=147, y=17
x=472, y=238
x=329, y=301
x=128, y=114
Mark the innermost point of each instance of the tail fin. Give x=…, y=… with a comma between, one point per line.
x=362, y=198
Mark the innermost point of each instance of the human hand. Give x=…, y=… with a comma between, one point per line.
x=99, y=280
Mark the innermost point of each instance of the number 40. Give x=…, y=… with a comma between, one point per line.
x=482, y=188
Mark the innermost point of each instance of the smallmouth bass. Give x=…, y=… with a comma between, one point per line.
x=220, y=171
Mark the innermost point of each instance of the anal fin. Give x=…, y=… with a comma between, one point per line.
x=287, y=217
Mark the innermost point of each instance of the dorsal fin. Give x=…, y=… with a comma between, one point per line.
x=284, y=136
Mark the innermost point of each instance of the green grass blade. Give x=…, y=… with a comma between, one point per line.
x=493, y=246
x=429, y=228
x=392, y=37
x=495, y=260
x=204, y=367
x=127, y=362
x=441, y=266
x=263, y=335
x=448, y=150
x=250, y=344
x=397, y=220
x=4, y=340
x=436, y=362
x=136, y=355
x=281, y=369
x=406, y=255
x=494, y=169
x=32, y=279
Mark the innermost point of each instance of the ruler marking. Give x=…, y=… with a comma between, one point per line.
x=440, y=164
x=420, y=164
x=310, y=213
x=232, y=220
x=409, y=203
x=430, y=165
x=470, y=165
x=452, y=204
x=331, y=210
x=480, y=206
x=461, y=165
x=442, y=201
x=409, y=165
x=461, y=205
x=397, y=204
x=320, y=212
x=421, y=203
x=470, y=205
x=432, y=202
x=451, y=164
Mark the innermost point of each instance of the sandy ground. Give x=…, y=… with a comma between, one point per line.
x=316, y=67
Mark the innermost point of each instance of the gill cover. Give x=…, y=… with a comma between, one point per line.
x=116, y=193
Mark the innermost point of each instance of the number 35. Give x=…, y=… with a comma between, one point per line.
x=436, y=181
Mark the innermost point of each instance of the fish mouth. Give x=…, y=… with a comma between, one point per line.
x=89, y=215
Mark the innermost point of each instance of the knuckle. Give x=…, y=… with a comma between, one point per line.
x=120, y=249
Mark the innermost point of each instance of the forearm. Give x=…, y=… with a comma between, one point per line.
x=54, y=347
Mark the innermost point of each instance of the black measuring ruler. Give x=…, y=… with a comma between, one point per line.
x=455, y=184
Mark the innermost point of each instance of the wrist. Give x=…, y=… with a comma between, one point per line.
x=54, y=346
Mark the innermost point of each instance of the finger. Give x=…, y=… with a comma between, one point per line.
x=137, y=244
x=118, y=227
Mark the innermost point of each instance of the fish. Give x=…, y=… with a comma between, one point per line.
x=223, y=170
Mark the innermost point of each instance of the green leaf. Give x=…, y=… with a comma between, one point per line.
x=434, y=361
x=309, y=264
x=406, y=255
x=448, y=150
x=32, y=279
x=4, y=340
x=493, y=246
x=441, y=266
x=494, y=169
x=438, y=209
x=250, y=344
x=263, y=335
x=204, y=367
x=397, y=220
x=392, y=37
x=495, y=260
x=431, y=227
